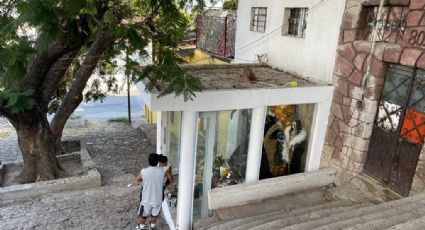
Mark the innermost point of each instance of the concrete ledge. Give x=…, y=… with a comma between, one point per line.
x=69, y=156
x=24, y=191
x=251, y=192
x=86, y=161
x=90, y=179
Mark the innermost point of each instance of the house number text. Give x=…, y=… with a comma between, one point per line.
x=417, y=38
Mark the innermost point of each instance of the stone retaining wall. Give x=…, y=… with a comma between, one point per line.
x=350, y=128
x=90, y=179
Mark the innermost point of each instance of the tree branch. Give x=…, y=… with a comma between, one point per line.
x=55, y=76
x=43, y=67
x=41, y=64
x=103, y=41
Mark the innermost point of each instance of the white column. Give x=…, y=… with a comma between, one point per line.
x=317, y=136
x=186, y=170
x=159, y=133
x=256, y=135
x=211, y=120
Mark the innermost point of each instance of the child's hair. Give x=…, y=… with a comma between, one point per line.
x=153, y=159
x=163, y=159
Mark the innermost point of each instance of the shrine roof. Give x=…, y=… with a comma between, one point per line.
x=225, y=89
x=228, y=76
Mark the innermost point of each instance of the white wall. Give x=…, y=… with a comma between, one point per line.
x=310, y=57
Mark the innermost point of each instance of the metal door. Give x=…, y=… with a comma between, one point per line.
x=399, y=129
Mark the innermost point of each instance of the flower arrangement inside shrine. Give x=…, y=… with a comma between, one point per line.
x=223, y=174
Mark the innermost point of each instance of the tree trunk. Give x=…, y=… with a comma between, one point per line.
x=39, y=150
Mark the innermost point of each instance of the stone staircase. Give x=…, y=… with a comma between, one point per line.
x=323, y=214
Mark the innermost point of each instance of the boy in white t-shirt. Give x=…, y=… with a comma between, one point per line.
x=152, y=179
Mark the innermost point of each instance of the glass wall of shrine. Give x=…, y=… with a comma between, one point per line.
x=222, y=142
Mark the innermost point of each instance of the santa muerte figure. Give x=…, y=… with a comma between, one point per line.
x=279, y=117
x=293, y=146
x=284, y=142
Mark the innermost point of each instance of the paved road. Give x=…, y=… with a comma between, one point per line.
x=113, y=106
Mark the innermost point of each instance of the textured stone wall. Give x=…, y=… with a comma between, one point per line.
x=350, y=128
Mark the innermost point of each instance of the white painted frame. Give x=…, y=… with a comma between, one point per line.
x=255, y=146
x=187, y=171
x=216, y=100
x=209, y=158
x=159, y=133
x=256, y=99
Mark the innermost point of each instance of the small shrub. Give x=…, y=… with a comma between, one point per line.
x=75, y=117
x=118, y=120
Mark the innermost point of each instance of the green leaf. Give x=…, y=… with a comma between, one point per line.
x=108, y=17
x=17, y=101
x=73, y=7
x=90, y=9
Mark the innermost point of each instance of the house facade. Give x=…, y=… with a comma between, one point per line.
x=240, y=130
x=217, y=139
x=376, y=124
x=252, y=122
x=298, y=36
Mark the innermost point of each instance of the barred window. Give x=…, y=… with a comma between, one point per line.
x=295, y=22
x=390, y=26
x=258, y=19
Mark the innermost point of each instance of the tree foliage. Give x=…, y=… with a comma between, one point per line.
x=39, y=37
x=56, y=53
x=230, y=5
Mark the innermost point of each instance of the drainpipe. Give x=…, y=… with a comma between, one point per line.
x=360, y=103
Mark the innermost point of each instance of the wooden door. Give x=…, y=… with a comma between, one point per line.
x=399, y=129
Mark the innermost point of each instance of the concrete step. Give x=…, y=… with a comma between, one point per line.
x=380, y=219
x=346, y=219
x=207, y=223
x=265, y=208
x=279, y=223
x=246, y=193
x=339, y=221
x=388, y=221
x=267, y=215
x=406, y=213
x=413, y=224
x=298, y=214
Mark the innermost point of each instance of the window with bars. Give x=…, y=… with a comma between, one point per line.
x=390, y=25
x=402, y=106
x=258, y=19
x=295, y=22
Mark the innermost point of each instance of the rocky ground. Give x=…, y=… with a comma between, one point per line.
x=119, y=150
